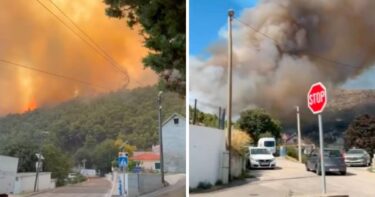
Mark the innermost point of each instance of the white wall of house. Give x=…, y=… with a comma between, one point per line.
x=207, y=148
x=8, y=171
x=88, y=172
x=174, y=144
x=25, y=182
x=149, y=165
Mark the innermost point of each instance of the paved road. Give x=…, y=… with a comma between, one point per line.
x=292, y=178
x=96, y=187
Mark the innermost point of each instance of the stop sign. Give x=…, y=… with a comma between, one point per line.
x=317, y=98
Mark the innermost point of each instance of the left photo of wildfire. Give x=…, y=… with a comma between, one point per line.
x=92, y=97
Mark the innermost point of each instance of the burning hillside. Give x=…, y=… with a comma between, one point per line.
x=31, y=36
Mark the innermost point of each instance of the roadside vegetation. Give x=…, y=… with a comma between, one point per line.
x=361, y=133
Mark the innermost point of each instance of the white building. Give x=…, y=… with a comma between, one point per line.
x=208, y=156
x=174, y=141
x=24, y=182
x=12, y=182
x=8, y=172
x=147, y=160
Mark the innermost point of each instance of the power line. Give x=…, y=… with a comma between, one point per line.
x=52, y=74
x=309, y=52
x=91, y=44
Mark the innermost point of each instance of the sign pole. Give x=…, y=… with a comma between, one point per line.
x=299, y=136
x=123, y=173
x=322, y=168
x=316, y=101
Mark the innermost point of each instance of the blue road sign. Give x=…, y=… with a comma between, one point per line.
x=122, y=161
x=137, y=169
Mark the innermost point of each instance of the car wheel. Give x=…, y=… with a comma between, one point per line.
x=307, y=168
x=343, y=172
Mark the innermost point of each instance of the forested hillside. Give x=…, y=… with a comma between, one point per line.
x=78, y=127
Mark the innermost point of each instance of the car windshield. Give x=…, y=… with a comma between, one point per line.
x=259, y=151
x=269, y=143
x=355, y=151
x=332, y=153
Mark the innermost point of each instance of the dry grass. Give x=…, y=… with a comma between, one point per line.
x=240, y=141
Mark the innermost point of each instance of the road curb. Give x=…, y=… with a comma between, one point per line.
x=322, y=195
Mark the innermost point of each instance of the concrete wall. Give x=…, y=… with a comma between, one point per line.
x=238, y=165
x=137, y=184
x=8, y=171
x=25, y=182
x=207, y=155
x=149, y=183
x=174, y=145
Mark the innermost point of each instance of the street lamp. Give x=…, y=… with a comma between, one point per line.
x=230, y=66
x=161, y=139
x=40, y=157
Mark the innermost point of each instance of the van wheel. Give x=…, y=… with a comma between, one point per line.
x=248, y=166
x=343, y=172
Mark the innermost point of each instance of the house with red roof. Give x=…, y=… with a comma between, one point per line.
x=147, y=160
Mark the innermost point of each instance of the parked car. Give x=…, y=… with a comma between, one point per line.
x=358, y=157
x=261, y=158
x=333, y=161
x=269, y=143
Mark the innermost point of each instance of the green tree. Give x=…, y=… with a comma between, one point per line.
x=258, y=123
x=361, y=133
x=104, y=154
x=207, y=119
x=56, y=162
x=163, y=27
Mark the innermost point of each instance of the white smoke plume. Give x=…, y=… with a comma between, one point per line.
x=276, y=70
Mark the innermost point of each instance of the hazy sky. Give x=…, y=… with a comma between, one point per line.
x=208, y=21
x=30, y=35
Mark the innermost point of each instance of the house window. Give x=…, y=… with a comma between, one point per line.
x=157, y=165
x=175, y=120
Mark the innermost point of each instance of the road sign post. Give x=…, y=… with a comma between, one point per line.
x=316, y=101
x=123, y=163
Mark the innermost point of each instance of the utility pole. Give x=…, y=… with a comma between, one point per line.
x=223, y=120
x=195, y=112
x=230, y=65
x=161, y=139
x=219, y=119
x=39, y=155
x=299, y=136
x=84, y=163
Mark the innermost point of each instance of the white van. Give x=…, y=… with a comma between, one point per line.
x=269, y=143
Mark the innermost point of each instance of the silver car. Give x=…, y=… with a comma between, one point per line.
x=333, y=161
x=357, y=157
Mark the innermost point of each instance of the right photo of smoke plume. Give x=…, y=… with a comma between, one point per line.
x=281, y=47
x=274, y=51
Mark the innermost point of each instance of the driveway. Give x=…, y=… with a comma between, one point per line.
x=291, y=178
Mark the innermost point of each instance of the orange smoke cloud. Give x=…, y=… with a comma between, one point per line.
x=36, y=38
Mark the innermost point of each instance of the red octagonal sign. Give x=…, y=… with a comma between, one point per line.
x=317, y=98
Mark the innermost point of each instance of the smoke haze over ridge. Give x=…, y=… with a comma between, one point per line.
x=277, y=75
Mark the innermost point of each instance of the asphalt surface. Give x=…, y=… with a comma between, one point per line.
x=95, y=187
x=291, y=179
